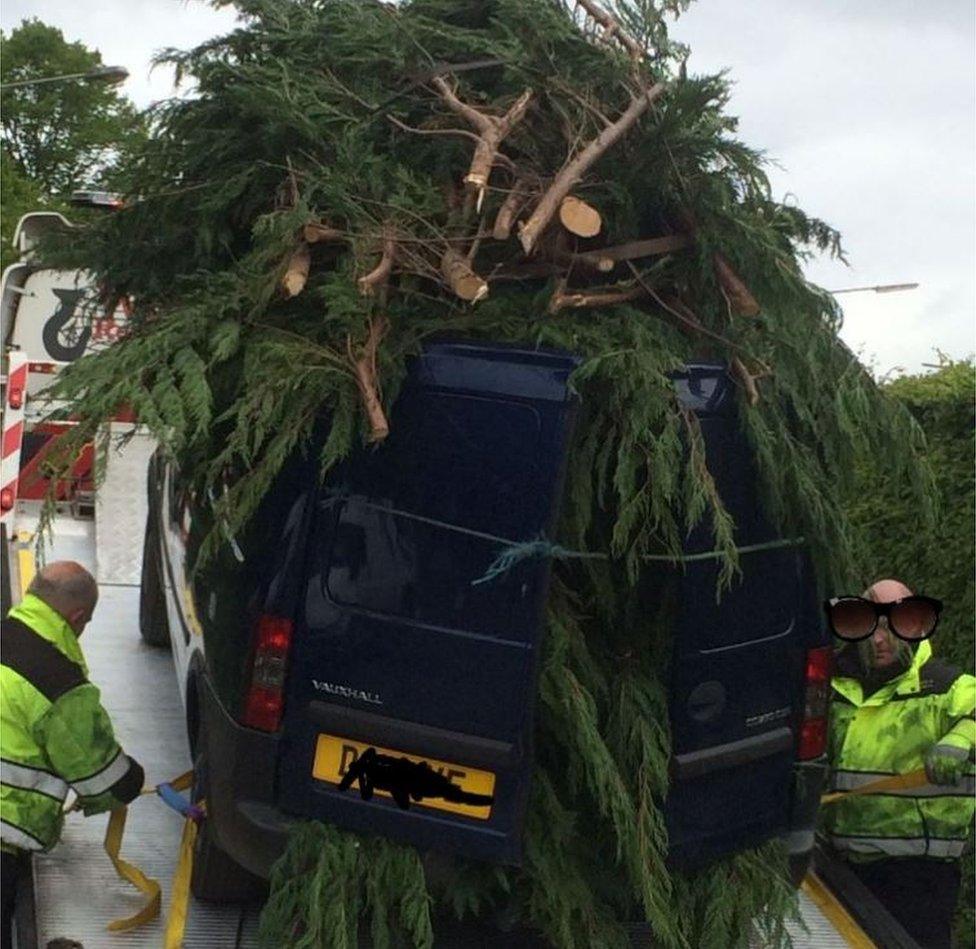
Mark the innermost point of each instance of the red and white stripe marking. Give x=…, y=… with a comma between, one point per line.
x=14, y=401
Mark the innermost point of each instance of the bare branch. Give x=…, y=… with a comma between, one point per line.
x=465, y=283
x=613, y=29
x=607, y=257
x=742, y=302
x=374, y=283
x=315, y=231
x=491, y=132
x=509, y=210
x=561, y=300
x=409, y=128
x=364, y=370
x=574, y=170
x=747, y=379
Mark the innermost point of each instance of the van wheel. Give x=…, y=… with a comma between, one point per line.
x=217, y=877
x=153, y=624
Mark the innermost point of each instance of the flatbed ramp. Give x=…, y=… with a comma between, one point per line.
x=77, y=892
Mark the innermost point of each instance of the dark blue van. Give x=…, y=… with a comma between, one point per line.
x=340, y=664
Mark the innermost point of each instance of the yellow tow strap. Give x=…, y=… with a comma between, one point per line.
x=176, y=922
x=179, y=897
x=131, y=874
x=897, y=782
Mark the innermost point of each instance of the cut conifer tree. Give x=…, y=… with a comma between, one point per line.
x=351, y=177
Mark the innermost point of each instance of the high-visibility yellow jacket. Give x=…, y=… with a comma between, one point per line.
x=890, y=732
x=54, y=733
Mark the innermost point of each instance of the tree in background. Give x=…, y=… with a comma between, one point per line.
x=59, y=136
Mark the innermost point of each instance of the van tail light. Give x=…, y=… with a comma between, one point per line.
x=816, y=701
x=265, y=698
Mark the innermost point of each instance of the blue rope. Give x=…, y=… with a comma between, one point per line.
x=515, y=552
x=526, y=550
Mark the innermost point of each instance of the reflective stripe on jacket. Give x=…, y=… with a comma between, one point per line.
x=890, y=732
x=54, y=733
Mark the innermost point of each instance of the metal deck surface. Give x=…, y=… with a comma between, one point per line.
x=120, y=517
x=821, y=933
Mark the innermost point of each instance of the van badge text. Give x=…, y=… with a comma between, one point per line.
x=764, y=718
x=347, y=692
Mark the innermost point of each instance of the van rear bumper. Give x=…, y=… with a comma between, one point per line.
x=241, y=773
x=252, y=830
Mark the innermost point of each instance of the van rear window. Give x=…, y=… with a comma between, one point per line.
x=390, y=563
x=405, y=539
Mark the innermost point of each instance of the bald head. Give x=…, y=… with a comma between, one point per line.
x=887, y=591
x=69, y=589
x=883, y=650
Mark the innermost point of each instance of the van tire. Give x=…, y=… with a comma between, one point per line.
x=216, y=876
x=153, y=624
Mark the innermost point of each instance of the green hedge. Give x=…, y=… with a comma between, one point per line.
x=935, y=557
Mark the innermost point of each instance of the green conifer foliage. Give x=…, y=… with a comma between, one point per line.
x=339, y=119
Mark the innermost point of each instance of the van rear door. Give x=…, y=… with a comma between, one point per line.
x=396, y=648
x=737, y=666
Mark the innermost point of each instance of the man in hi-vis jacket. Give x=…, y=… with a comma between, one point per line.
x=54, y=733
x=897, y=710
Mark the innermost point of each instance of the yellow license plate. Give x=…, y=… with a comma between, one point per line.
x=333, y=756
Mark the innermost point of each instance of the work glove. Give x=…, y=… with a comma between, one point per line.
x=946, y=764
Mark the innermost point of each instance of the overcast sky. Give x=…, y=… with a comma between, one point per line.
x=867, y=106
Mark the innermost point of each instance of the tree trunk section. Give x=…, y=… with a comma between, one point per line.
x=579, y=218
x=296, y=275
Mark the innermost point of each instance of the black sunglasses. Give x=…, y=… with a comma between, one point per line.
x=911, y=618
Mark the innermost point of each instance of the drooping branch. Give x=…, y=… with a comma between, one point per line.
x=463, y=281
x=491, y=131
x=571, y=173
x=364, y=370
x=374, y=283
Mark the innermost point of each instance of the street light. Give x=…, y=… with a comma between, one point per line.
x=112, y=75
x=883, y=288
